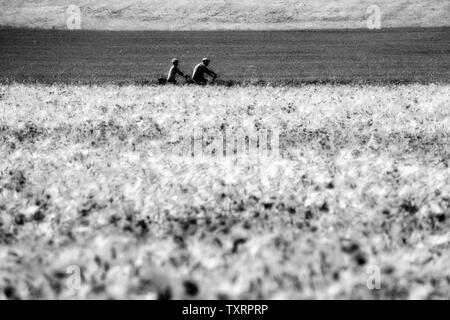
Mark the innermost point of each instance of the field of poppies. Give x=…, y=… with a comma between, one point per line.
x=252, y=192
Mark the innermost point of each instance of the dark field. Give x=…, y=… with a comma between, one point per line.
x=386, y=56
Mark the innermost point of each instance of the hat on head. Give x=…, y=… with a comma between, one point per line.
x=175, y=60
x=205, y=60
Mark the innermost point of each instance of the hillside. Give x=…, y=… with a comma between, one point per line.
x=223, y=14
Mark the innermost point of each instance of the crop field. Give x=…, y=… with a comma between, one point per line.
x=111, y=191
x=408, y=55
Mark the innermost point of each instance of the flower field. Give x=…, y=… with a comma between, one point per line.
x=97, y=201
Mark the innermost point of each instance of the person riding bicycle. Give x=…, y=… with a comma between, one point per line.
x=198, y=76
x=171, y=78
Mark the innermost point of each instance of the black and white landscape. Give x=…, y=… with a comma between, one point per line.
x=315, y=166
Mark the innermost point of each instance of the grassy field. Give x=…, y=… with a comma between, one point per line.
x=283, y=57
x=223, y=14
x=91, y=179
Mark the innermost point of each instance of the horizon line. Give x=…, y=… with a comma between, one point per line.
x=9, y=27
